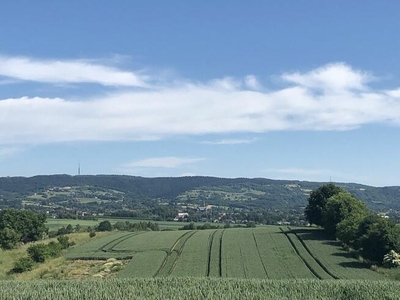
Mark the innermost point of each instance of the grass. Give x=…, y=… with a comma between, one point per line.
x=307, y=258
x=200, y=288
x=215, y=259
x=264, y=253
x=328, y=253
x=8, y=258
x=193, y=260
x=143, y=264
x=279, y=257
x=124, y=245
x=240, y=257
x=244, y=253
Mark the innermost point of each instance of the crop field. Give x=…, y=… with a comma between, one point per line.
x=264, y=253
x=54, y=224
x=200, y=288
x=123, y=245
x=328, y=253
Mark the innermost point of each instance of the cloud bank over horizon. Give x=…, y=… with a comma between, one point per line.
x=328, y=98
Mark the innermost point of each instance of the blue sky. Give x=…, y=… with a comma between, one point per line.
x=305, y=90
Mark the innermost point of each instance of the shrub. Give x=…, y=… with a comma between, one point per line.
x=64, y=241
x=105, y=226
x=92, y=234
x=38, y=252
x=54, y=249
x=392, y=259
x=22, y=265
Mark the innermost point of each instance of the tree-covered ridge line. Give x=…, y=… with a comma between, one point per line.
x=276, y=194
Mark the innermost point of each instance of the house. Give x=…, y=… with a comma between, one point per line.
x=181, y=216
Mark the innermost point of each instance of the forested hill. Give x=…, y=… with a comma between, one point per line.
x=255, y=192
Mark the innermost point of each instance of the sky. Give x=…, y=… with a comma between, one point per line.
x=298, y=90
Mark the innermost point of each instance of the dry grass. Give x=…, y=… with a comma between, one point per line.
x=60, y=268
x=8, y=258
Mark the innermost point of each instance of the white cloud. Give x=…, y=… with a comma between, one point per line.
x=67, y=71
x=222, y=106
x=163, y=162
x=252, y=83
x=230, y=142
x=333, y=77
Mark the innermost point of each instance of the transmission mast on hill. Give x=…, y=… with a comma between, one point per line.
x=79, y=168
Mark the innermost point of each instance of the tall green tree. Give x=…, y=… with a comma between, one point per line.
x=340, y=207
x=9, y=238
x=317, y=201
x=377, y=236
x=27, y=225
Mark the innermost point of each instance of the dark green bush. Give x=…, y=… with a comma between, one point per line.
x=38, y=252
x=54, y=249
x=64, y=241
x=22, y=265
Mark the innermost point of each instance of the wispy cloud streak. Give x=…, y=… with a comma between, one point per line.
x=67, y=71
x=332, y=97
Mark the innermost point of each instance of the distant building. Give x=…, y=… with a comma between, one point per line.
x=181, y=216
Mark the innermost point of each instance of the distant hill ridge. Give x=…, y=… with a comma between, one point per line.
x=290, y=193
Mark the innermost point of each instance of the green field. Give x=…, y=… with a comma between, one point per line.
x=200, y=288
x=266, y=252
x=54, y=224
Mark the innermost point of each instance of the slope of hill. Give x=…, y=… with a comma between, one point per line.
x=238, y=192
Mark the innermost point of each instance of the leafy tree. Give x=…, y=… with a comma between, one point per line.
x=28, y=225
x=9, y=238
x=317, y=201
x=376, y=237
x=340, y=207
x=104, y=226
x=347, y=230
x=120, y=226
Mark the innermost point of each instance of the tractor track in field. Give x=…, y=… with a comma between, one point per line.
x=178, y=252
x=102, y=248
x=259, y=255
x=312, y=255
x=122, y=240
x=299, y=255
x=220, y=253
x=210, y=245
